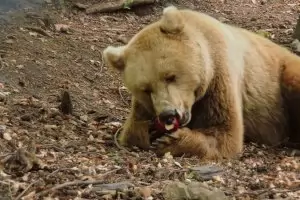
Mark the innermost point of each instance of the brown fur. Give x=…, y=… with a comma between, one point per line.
x=235, y=83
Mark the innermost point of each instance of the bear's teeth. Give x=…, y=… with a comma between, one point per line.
x=169, y=127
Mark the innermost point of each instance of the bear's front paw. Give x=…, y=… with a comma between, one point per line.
x=168, y=142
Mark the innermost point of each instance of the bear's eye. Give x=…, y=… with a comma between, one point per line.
x=147, y=90
x=170, y=78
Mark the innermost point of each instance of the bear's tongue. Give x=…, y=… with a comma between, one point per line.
x=171, y=124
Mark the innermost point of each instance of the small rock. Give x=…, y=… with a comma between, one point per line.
x=192, y=191
x=122, y=39
x=2, y=129
x=84, y=118
x=218, y=179
x=296, y=45
x=91, y=138
x=145, y=192
x=53, y=112
x=223, y=19
x=199, y=191
x=20, y=66
x=115, y=124
x=49, y=126
x=26, y=117
x=34, y=34
x=176, y=191
x=4, y=94
x=264, y=33
x=263, y=2
x=62, y=28
x=7, y=136
x=9, y=41
x=206, y=172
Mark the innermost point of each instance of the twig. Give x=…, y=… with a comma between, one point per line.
x=5, y=183
x=116, y=135
x=72, y=183
x=121, y=147
x=120, y=93
x=38, y=30
x=8, y=154
x=26, y=189
x=111, y=7
x=81, y=6
x=267, y=191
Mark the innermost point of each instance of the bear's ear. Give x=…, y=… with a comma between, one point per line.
x=114, y=57
x=171, y=21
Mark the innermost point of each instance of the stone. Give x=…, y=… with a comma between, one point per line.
x=7, y=136
x=193, y=191
x=176, y=191
x=296, y=45
x=84, y=118
x=2, y=129
x=200, y=191
x=206, y=172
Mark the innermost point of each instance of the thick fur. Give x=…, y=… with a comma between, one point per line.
x=235, y=83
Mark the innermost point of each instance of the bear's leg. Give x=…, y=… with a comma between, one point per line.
x=209, y=144
x=136, y=128
x=290, y=83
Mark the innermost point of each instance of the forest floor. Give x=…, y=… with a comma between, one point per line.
x=40, y=148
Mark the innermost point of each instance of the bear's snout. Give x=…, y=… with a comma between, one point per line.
x=167, y=116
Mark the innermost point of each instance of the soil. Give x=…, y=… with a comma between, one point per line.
x=41, y=148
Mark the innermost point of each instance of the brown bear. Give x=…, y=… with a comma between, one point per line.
x=226, y=84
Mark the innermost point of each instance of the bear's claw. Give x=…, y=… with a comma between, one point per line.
x=171, y=136
x=166, y=139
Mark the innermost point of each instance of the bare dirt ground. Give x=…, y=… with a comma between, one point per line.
x=40, y=148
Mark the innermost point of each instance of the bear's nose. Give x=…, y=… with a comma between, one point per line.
x=167, y=116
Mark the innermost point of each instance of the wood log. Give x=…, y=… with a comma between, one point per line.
x=114, y=6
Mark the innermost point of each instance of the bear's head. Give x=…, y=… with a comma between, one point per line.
x=163, y=66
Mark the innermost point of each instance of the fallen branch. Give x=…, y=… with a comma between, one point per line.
x=72, y=183
x=38, y=30
x=81, y=6
x=268, y=191
x=114, y=6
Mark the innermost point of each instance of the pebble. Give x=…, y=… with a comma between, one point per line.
x=192, y=191
x=296, y=45
x=20, y=66
x=84, y=118
x=9, y=41
x=3, y=95
x=7, y=136
x=2, y=129
x=49, y=126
